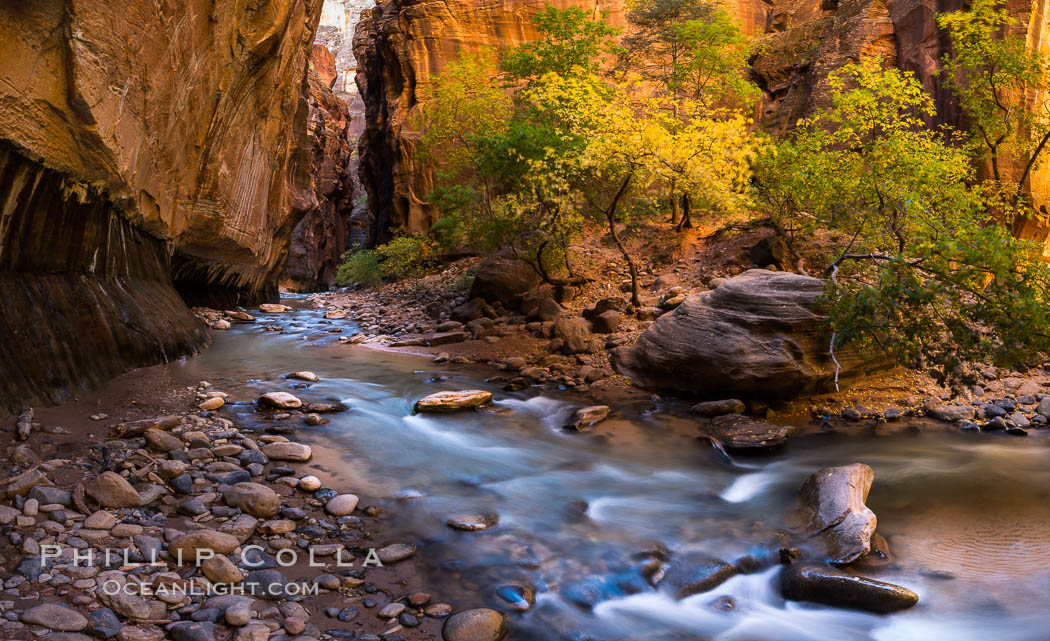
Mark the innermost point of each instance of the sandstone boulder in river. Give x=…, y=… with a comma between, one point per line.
x=453, y=401
x=757, y=334
x=833, y=508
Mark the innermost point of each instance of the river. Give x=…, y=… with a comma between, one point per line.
x=967, y=515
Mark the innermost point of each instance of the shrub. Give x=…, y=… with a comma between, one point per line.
x=359, y=266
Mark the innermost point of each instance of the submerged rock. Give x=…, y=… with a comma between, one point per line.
x=739, y=433
x=453, y=401
x=472, y=522
x=711, y=409
x=585, y=418
x=696, y=572
x=831, y=586
x=833, y=508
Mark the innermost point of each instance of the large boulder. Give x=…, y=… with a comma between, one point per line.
x=833, y=508
x=758, y=334
x=504, y=278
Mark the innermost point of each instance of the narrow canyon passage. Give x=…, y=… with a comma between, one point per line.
x=526, y=320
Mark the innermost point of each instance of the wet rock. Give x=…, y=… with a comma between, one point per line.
x=481, y=624
x=55, y=617
x=280, y=400
x=833, y=508
x=288, y=452
x=114, y=491
x=254, y=498
x=696, y=572
x=472, y=522
x=742, y=434
x=585, y=418
x=758, y=334
x=710, y=409
x=831, y=586
x=305, y=376
x=325, y=408
x=453, y=401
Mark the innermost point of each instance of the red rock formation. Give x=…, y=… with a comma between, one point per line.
x=145, y=145
x=321, y=237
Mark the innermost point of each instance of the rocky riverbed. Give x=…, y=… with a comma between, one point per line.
x=528, y=528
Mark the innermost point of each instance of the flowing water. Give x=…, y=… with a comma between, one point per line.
x=967, y=516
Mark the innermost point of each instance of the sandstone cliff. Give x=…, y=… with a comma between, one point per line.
x=146, y=146
x=401, y=43
x=321, y=237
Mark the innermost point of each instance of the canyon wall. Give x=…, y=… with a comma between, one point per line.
x=400, y=43
x=321, y=237
x=148, y=149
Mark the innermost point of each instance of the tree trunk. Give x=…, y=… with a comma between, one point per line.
x=675, y=210
x=687, y=221
x=610, y=216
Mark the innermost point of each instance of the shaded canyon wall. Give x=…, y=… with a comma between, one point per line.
x=147, y=149
x=321, y=237
x=400, y=43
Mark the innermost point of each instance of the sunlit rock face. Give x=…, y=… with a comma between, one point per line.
x=401, y=43
x=336, y=33
x=164, y=144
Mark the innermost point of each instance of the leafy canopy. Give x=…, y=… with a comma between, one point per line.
x=921, y=271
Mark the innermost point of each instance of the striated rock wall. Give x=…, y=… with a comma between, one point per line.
x=165, y=144
x=400, y=43
x=321, y=237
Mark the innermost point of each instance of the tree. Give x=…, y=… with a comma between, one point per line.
x=689, y=50
x=653, y=45
x=465, y=105
x=570, y=42
x=922, y=272
x=1001, y=86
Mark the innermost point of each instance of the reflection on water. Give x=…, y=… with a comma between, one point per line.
x=967, y=516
